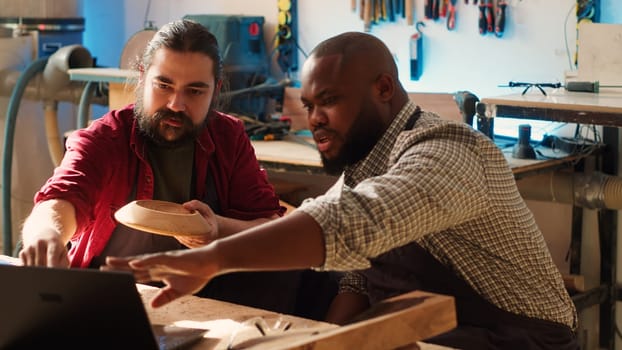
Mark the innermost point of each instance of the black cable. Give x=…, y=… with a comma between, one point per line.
x=300, y=48
x=146, y=22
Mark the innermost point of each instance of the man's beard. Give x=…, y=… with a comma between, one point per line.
x=150, y=125
x=358, y=142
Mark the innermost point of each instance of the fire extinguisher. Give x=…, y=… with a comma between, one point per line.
x=416, y=52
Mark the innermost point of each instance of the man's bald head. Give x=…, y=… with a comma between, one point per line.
x=361, y=49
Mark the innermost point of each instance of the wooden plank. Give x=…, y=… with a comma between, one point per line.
x=394, y=323
x=283, y=151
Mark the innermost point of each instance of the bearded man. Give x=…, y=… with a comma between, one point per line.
x=170, y=145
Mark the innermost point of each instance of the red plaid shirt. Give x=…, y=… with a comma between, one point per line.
x=106, y=161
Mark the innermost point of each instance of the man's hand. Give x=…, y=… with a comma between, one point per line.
x=46, y=250
x=183, y=271
x=46, y=231
x=195, y=241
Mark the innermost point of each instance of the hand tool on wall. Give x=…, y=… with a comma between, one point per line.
x=397, y=7
x=427, y=9
x=486, y=19
x=372, y=12
x=490, y=22
x=442, y=12
x=367, y=9
x=436, y=7
x=400, y=8
x=500, y=18
x=416, y=52
x=451, y=14
x=482, y=18
x=390, y=10
x=362, y=9
x=408, y=10
x=377, y=11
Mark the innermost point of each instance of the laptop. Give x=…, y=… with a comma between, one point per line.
x=79, y=308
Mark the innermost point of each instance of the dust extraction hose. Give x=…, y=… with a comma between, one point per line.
x=31, y=71
x=55, y=144
x=587, y=190
x=83, y=106
x=55, y=79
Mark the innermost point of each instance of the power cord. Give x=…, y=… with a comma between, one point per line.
x=577, y=145
x=570, y=65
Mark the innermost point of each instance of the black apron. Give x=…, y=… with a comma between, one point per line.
x=481, y=324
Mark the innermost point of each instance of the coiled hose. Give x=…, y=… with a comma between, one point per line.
x=31, y=71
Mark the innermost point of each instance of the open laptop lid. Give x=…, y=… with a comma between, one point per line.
x=75, y=308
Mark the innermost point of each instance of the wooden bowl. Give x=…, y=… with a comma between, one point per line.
x=162, y=218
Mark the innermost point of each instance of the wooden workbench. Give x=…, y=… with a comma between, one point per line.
x=402, y=321
x=290, y=155
x=602, y=109
x=399, y=321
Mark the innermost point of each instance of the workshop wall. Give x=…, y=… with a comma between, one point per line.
x=532, y=48
x=538, y=44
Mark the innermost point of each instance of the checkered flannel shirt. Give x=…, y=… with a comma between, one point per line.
x=450, y=189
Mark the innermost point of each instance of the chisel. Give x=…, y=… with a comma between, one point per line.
x=408, y=9
x=367, y=14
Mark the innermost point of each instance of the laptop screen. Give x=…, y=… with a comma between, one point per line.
x=73, y=308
